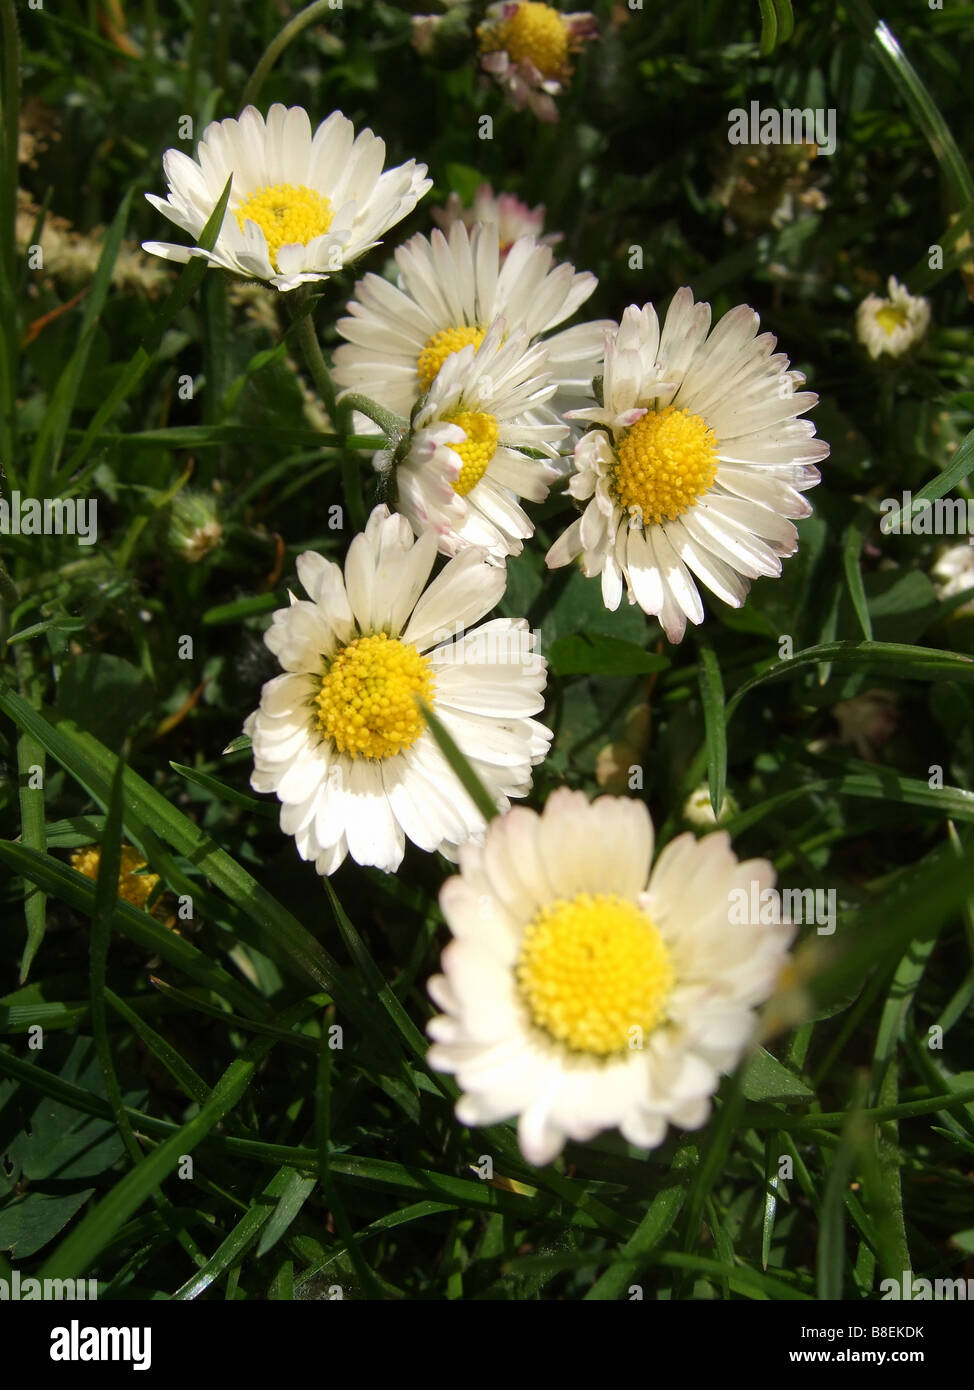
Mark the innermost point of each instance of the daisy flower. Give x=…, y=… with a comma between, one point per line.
x=451, y=289
x=513, y=218
x=695, y=463
x=892, y=325
x=301, y=205
x=339, y=736
x=953, y=572
x=527, y=46
x=584, y=991
x=134, y=886
x=465, y=470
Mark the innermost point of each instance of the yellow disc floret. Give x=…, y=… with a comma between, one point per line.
x=665, y=461
x=890, y=318
x=441, y=346
x=535, y=33
x=287, y=214
x=367, y=700
x=594, y=973
x=477, y=449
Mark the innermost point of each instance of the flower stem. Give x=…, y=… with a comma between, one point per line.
x=391, y=425
x=304, y=331
x=339, y=415
x=277, y=45
x=8, y=589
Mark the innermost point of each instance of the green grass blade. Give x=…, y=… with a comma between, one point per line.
x=468, y=779
x=92, y=764
x=712, y=697
x=921, y=104
x=851, y=552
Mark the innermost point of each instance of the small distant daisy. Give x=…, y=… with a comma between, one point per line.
x=695, y=464
x=891, y=326
x=301, y=205
x=584, y=990
x=512, y=217
x=867, y=721
x=465, y=467
x=953, y=572
x=340, y=737
x=451, y=289
x=698, y=809
x=527, y=46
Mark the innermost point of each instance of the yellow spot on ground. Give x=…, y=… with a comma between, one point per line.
x=135, y=887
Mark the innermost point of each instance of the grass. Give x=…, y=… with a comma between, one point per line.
x=222, y=1092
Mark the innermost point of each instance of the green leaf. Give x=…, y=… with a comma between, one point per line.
x=58, y=1142
x=59, y=625
x=105, y=695
x=30, y=1221
x=594, y=654
x=766, y=1079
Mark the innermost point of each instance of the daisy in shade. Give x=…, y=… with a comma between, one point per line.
x=302, y=205
x=583, y=990
x=695, y=464
x=465, y=467
x=340, y=737
x=451, y=289
x=514, y=218
x=526, y=47
x=892, y=326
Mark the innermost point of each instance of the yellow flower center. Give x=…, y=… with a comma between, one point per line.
x=537, y=34
x=665, y=461
x=135, y=887
x=287, y=214
x=366, y=703
x=477, y=449
x=594, y=973
x=889, y=318
x=441, y=346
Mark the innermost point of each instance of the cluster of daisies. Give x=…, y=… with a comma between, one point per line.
x=584, y=988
